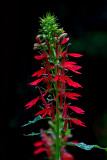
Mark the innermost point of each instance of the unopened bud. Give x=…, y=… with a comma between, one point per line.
x=38, y=40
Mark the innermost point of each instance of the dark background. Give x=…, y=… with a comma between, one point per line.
x=86, y=23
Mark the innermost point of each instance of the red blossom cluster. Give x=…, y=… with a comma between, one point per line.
x=52, y=63
x=47, y=145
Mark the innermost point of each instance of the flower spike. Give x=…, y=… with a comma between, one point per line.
x=59, y=86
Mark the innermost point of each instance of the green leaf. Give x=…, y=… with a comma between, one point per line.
x=33, y=121
x=34, y=134
x=84, y=146
x=65, y=133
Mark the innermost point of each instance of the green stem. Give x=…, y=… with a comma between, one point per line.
x=57, y=134
x=57, y=124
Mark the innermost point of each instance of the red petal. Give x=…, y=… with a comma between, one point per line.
x=56, y=78
x=65, y=125
x=72, y=95
x=38, y=57
x=77, y=121
x=75, y=94
x=42, y=111
x=32, y=102
x=69, y=63
x=45, y=114
x=39, y=72
x=76, y=109
x=45, y=93
x=72, y=69
x=74, y=54
x=62, y=78
x=64, y=114
x=74, y=84
x=67, y=156
x=56, y=96
x=57, y=110
x=39, y=150
x=38, y=144
x=65, y=40
x=61, y=54
x=37, y=81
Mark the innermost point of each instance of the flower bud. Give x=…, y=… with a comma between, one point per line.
x=38, y=40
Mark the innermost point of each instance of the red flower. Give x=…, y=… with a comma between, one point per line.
x=44, y=145
x=47, y=110
x=37, y=81
x=65, y=125
x=65, y=40
x=70, y=54
x=67, y=156
x=32, y=102
x=39, y=150
x=38, y=144
x=76, y=109
x=42, y=98
x=39, y=57
x=39, y=72
x=74, y=54
x=72, y=95
x=77, y=121
x=71, y=66
x=68, y=80
x=69, y=95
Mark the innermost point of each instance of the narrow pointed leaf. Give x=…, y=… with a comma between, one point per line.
x=84, y=146
x=34, y=134
x=33, y=121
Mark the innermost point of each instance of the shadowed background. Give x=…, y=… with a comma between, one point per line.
x=86, y=23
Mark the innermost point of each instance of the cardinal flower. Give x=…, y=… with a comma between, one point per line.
x=75, y=109
x=69, y=95
x=44, y=145
x=39, y=72
x=71, y=66
x=67, y=156
x=77, y=121
x=48, y=110
x=65, y=40
x=32, y=102
x=68, y=80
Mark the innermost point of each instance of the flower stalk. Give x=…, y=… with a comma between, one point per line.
x=54, y=72
x=57, y=129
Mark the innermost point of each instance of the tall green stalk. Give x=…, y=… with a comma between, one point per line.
x=57, y=133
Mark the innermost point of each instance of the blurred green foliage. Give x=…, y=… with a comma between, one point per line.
x=92, y=42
